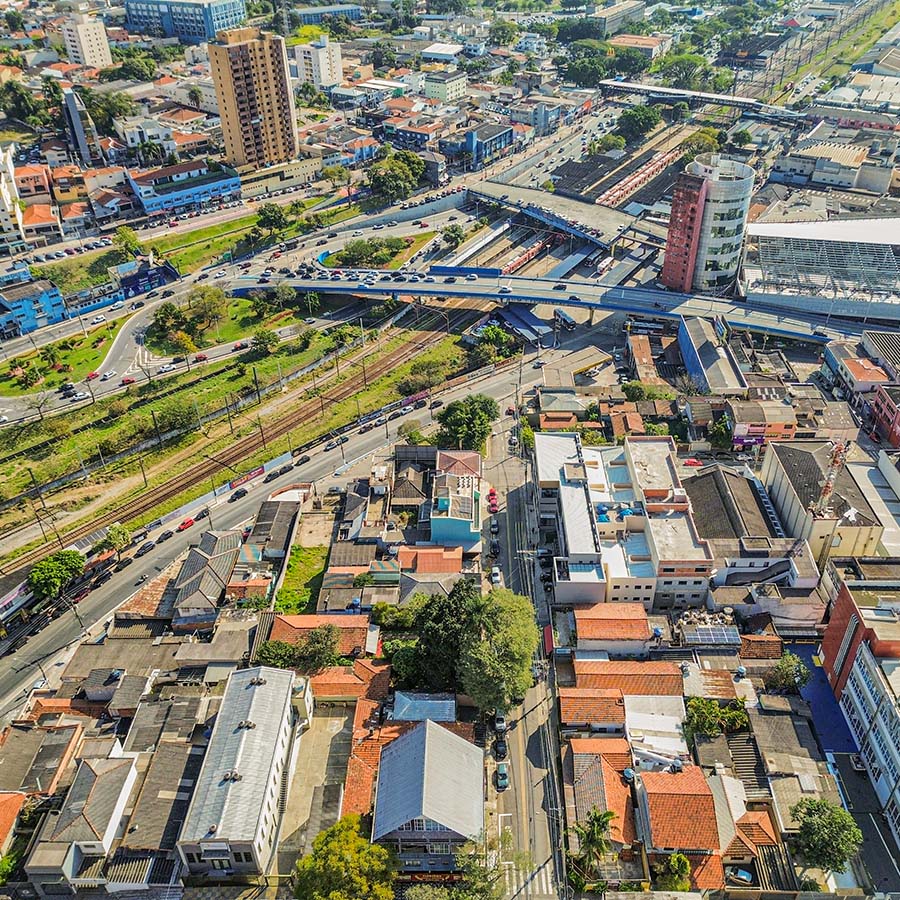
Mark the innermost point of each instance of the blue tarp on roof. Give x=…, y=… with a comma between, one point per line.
x=411, y=707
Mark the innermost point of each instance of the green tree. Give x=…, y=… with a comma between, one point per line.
x=720, y=433
x=742, y=138
x=312, y=301
x=318, y=650
x=606, y=142
x=680, y=111
x=828, y=836
x=14, y=20
x=630, y=62
x=285, y=295
x=788, y=676
x=117, y=538
x=50, y=355
x=594, y=844
x=443, y=624
x=125, y=240
x=634, y=123
x=272, y=217
x=278, y=654
x=195, y=96
x=208, y=305
x=168, y=317
x=495, y=661
x=674, y=874
x=182, y=342
x=636, y=390
x=569, y=30
x=588, y=71
x=264, y=341
x=260, y=303
x=704, y=140
x=429, y=892
x=466, y=424
x=50, y=575
x=413, y=162
x=104, y=108
x=344, y=865
x=502, y=32
x=337, y=175
x=391, y=179
x=383, y=55
x=707, y=717
x=683, y=70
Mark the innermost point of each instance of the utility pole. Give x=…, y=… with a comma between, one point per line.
x=256, y=385
x=156, y=428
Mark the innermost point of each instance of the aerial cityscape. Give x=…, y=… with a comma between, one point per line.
x=449, y=450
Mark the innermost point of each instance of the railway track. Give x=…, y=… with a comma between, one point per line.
x=309, y=409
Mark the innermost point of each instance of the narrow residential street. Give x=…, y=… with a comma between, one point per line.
x=527, y=809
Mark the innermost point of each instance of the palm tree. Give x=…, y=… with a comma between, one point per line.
x=594, y=843
x=50, y=355
x=194, y=95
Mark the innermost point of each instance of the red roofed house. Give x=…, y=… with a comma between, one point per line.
x=357, y=636
x=365, y=678
x=430, y=560
x=40, y=224
x=459, y=462
x=636, y=679
x=592, y=709
x=619, y=629
x=33, y=183
x=11, y=803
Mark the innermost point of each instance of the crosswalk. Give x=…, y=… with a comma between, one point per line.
x=534, y=885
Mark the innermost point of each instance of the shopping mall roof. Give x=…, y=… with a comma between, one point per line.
x=855, y=231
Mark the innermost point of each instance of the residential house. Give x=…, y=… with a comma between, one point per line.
x=357, y=636
x=201, y=582
x=756, y=422
x=33, y=184
x=594, y=710
x=617, y=629
x=429, y=797
x=30, y=305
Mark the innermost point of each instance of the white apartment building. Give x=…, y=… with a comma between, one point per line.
x=318, y=63
x=86, y=43
x=448, y=87
x=137, y=130
x=626, y=533
x=12, y=234
x=232, y=821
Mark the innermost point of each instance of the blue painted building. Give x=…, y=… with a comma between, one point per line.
x=139, y=275
x=456, y=500
x=188, y=185
x=28, y=306
x=313, y=15
x=479, y=146
x=191, y=21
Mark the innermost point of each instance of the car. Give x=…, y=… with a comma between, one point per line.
x=220, y=274
x=107, y=375
x=91, y=376
x=499, y=724
x=423, y=225
x=496, y=576
x=98, y=319
x=420, y=404
x=166, y=367
x=450, y=280
x=287, y=467
x=495, y=526
x=538, y=364
x=406, y=410
x=495, y=548
x=321, y=243
x=240, y=345
x=394, y=415
x=164, y=536
x=506, y=289
x=343, y=439
x=145, y=548
x=183, y=526
x=357, y=233
x=77, y=598
x=240, y=492
x=245, y=265
x=331, y=445
x=80, y=395
x=302, y=461
x=744, y=457
x=201, y=357
x=575, y=298
x=381, y=420
x=501, y=776
x=545, y=562
x=378, y=227
x=203, y=276
x=4, y=420
x=126, y=381
x=203, y=514
x=138, y=304
x=692, y=463
x=270, y=476
x=436, y=404
x=501, y=748
x=738, y=876
x=123, y=563
x=40, y=683
x=117, y=305
x=169, y=293
x=559, y=287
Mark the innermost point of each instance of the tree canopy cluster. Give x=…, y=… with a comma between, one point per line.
x=316, y=651
x=707, y=717
x=396, y=175
x=788, y=676
x=593, y=61
x=372, y=253
x=634, y=123
x=482, y=645
x=828, y=836
x=49, y=576
x=466, y=424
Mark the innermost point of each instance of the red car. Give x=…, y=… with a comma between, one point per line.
x=126, y=381
x=81, y=595
x=423, y=225
x=693, y=463
x=91, y=376
x=185, y=525
x=201, y=357
x=510, y=410
x=240, y=345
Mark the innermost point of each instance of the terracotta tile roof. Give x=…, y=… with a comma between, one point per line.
x=459, y=462
x=430, y=560
x=75, y=210
x=616, y=751
x=866, y=370
x=626, y=423
x=612, y=622
x=681, y=810
x=183, y=115
x=707, y=872
x=618, y=799
x=761, y=646
x=365, y=678
x=755, y=829
x=589, y=706
x=553, y=420
x=38, y=214
x=164, y=80
x=11, y=803
x=30, y=171
x=352, y=629
x=185, y=138
x=631, y=678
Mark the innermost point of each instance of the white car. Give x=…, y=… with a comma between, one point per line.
x=744, y=457
x=506, y=289
x=220, y=274
x=168, y=367
x=4, y=420
x=107, y=375
x=117, y=305
x=495, y=575
x=98, y=319
x=357, y=234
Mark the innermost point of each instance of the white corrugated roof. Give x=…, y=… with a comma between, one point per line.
x=861, y=231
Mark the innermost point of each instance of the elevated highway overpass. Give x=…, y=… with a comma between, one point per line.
x=646, y=302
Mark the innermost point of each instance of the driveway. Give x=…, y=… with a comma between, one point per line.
x=313, y=802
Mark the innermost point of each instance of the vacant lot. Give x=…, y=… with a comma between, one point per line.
x=303, y=580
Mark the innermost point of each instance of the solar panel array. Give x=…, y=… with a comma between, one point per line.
x=712, y=634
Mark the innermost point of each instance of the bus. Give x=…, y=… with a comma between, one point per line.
x=635, y=326
x=604, y=266
x=564, y=319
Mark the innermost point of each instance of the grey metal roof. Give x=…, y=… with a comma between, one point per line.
x=430, y=773
x=92, y=800
x=413, y=707
x=235, y=807
x=207, y=568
